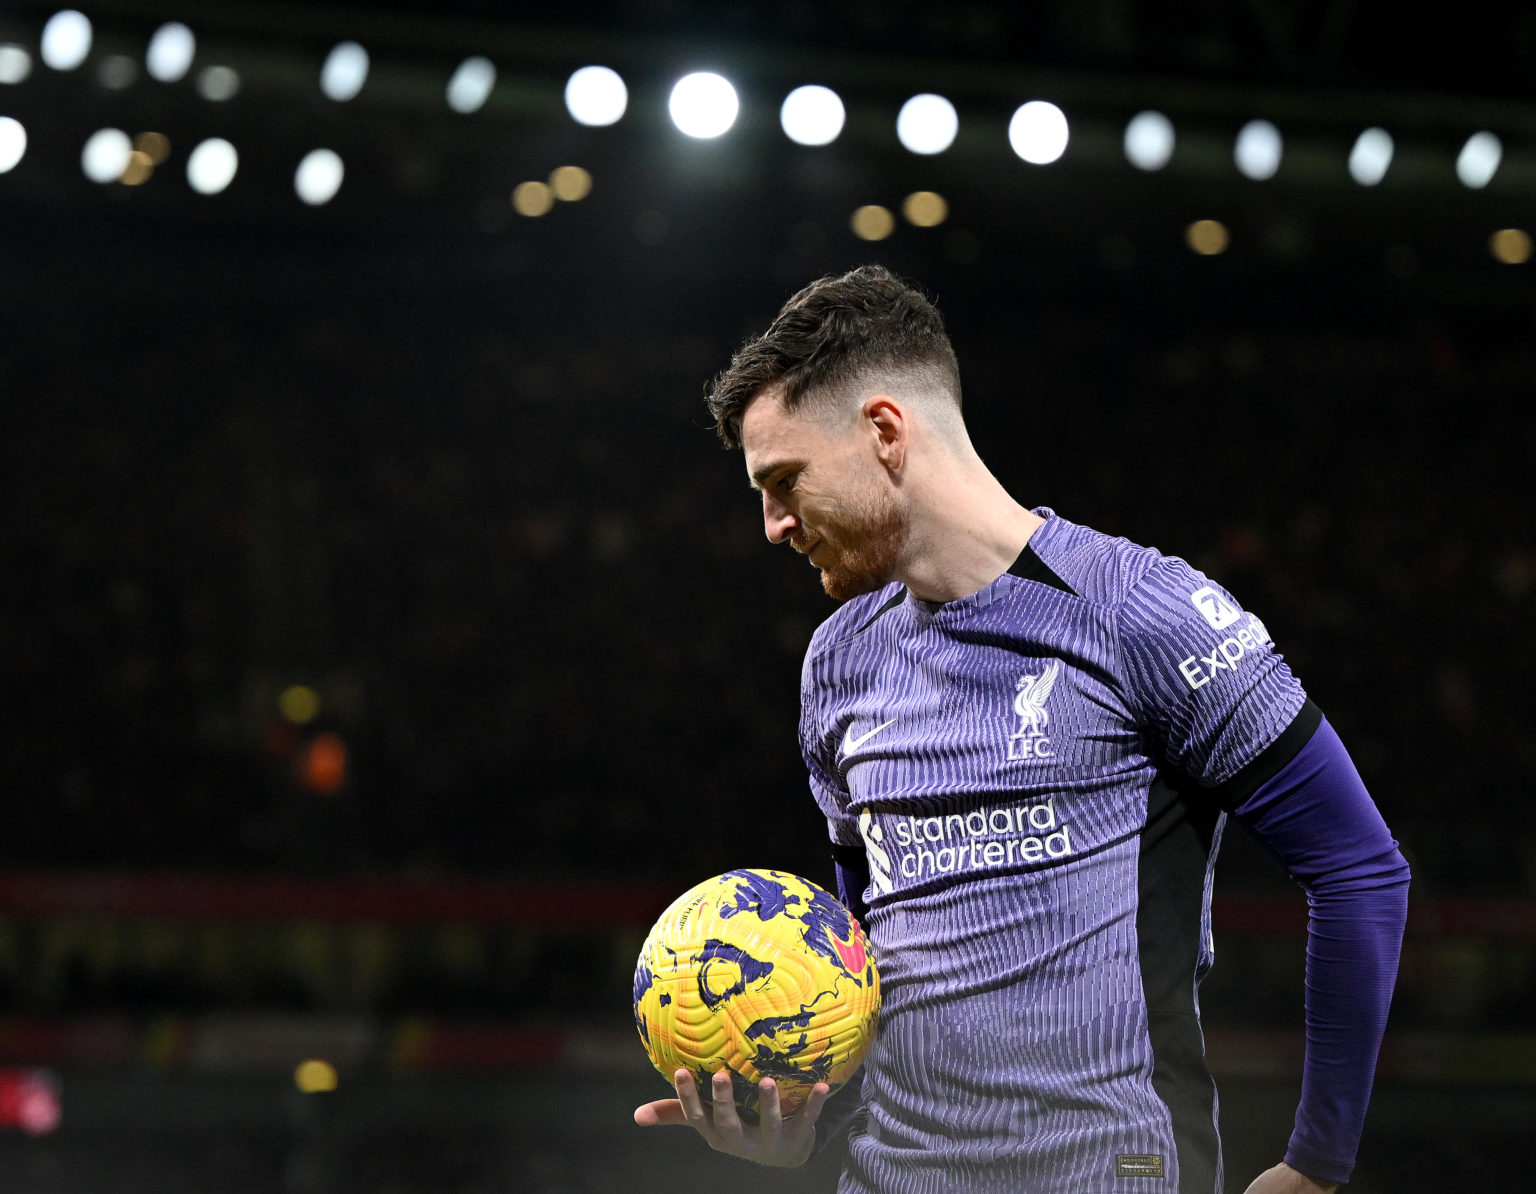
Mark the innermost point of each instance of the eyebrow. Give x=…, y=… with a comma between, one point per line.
x=763, y=471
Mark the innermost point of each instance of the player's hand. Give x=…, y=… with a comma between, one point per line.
x=773, y=1140
x=1282, y=1179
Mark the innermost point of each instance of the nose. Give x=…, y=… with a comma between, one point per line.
x=779, y=522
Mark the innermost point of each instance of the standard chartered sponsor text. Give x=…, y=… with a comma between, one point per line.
x=987, y=836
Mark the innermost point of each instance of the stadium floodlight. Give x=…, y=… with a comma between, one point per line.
x=345, y=71
x=170, y=53
x=1038, y=132
x=13, y=143
x=471, y=85
x=812, y=115
x=318, y=177
x=66, y=39
x=15, y=63
x=927, y=124
x=211, y=166
x=1258, y=149
x=1479, y=160
x=1372, y=154
x=1149, y=140
x=218, y=83
x=703, y=104
x=106, y=155
x=595, y=96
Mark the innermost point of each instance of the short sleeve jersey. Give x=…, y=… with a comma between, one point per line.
x=1028, y=771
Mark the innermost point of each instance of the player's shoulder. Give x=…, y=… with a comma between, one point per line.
x=1102, y=569
x=854, y=617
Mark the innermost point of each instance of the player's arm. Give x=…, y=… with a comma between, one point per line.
x=1304, y=801
x=773, y=1140
x=1225, y=709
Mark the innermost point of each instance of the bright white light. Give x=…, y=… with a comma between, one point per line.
x=927, y=124
x=13, y=142
x=345, y=71
x=1149, y=140
x=471, y=85
x=1479, y=160
x=66, y=39
x=106, y=154
x=1038, y=132
x=318, y=177
x=812, y=115
x=170, y=52
x=1258, y=149
x=211, y=166
x=15, y=63
x=703, y=104
x=218, y=83
x=1369, y=159
x=596, y=96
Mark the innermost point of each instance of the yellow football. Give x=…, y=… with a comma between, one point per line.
x=762, y=974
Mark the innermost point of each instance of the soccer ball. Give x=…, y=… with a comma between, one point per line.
x=762, y=974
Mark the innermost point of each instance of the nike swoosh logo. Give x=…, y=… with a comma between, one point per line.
x=851, y=744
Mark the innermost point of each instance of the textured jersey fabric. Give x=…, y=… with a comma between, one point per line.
x=1028, y=772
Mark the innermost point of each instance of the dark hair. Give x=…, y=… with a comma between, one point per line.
x=834, y=332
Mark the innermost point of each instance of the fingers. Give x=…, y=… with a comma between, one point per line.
x=769, y=1113
x=726, y=1118
x=810, y=1111
x=661, y=1112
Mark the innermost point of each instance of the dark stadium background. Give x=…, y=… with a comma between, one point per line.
x=446, y=467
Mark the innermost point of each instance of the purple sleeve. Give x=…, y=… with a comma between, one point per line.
x=1315, y=816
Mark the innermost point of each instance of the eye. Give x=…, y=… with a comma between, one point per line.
x=787, y=482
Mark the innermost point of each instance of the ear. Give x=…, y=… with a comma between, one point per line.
x=888, y=422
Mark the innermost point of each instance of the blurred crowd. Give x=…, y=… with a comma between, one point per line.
x=530, y=592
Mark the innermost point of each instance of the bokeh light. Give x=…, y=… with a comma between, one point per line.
x=532, y=198
x=299, y=704
x=1149, y=140
x=218, y=83
x=1479, y=160
x=1371, y=156
x=873, y=222
x=925, y=209
x=324, y=769
x=812, y=115
x=1258, y=150
x=570, y=184
x=1207, y=237
x=1512, y=246
x=106, y=155
x=319, y=176
x=471, y=85
x=66, y=40
x=13, y=143
x=116, y=72
x=345, y=71
x=139, y=170
x=156, y=145
x=15, y=63
x=927, y=124
x=170, y=53
x=596, y=96
x=315, y=1076
x=1038, y=132
x=703, y=104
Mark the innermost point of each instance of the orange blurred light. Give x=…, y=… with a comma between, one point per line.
x=325, y=764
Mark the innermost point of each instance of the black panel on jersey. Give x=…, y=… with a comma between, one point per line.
x=1029, y=566
x=901, y=595
x=1175, y=848
x=1232, y=792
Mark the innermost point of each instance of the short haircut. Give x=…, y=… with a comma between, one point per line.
x=838, y=332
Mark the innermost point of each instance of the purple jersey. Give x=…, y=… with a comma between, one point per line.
x=1025, y=770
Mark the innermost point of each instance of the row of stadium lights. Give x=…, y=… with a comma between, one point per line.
x=702, y=105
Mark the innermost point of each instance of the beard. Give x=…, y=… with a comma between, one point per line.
x=865, y=543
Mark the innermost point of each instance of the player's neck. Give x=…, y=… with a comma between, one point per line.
x=966, y=530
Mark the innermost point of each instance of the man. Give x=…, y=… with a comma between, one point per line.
x=1026, y=736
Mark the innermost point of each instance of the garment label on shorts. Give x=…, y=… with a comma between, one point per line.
x=1138, y=1165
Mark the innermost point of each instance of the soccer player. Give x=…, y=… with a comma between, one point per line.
x=1026, y=737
